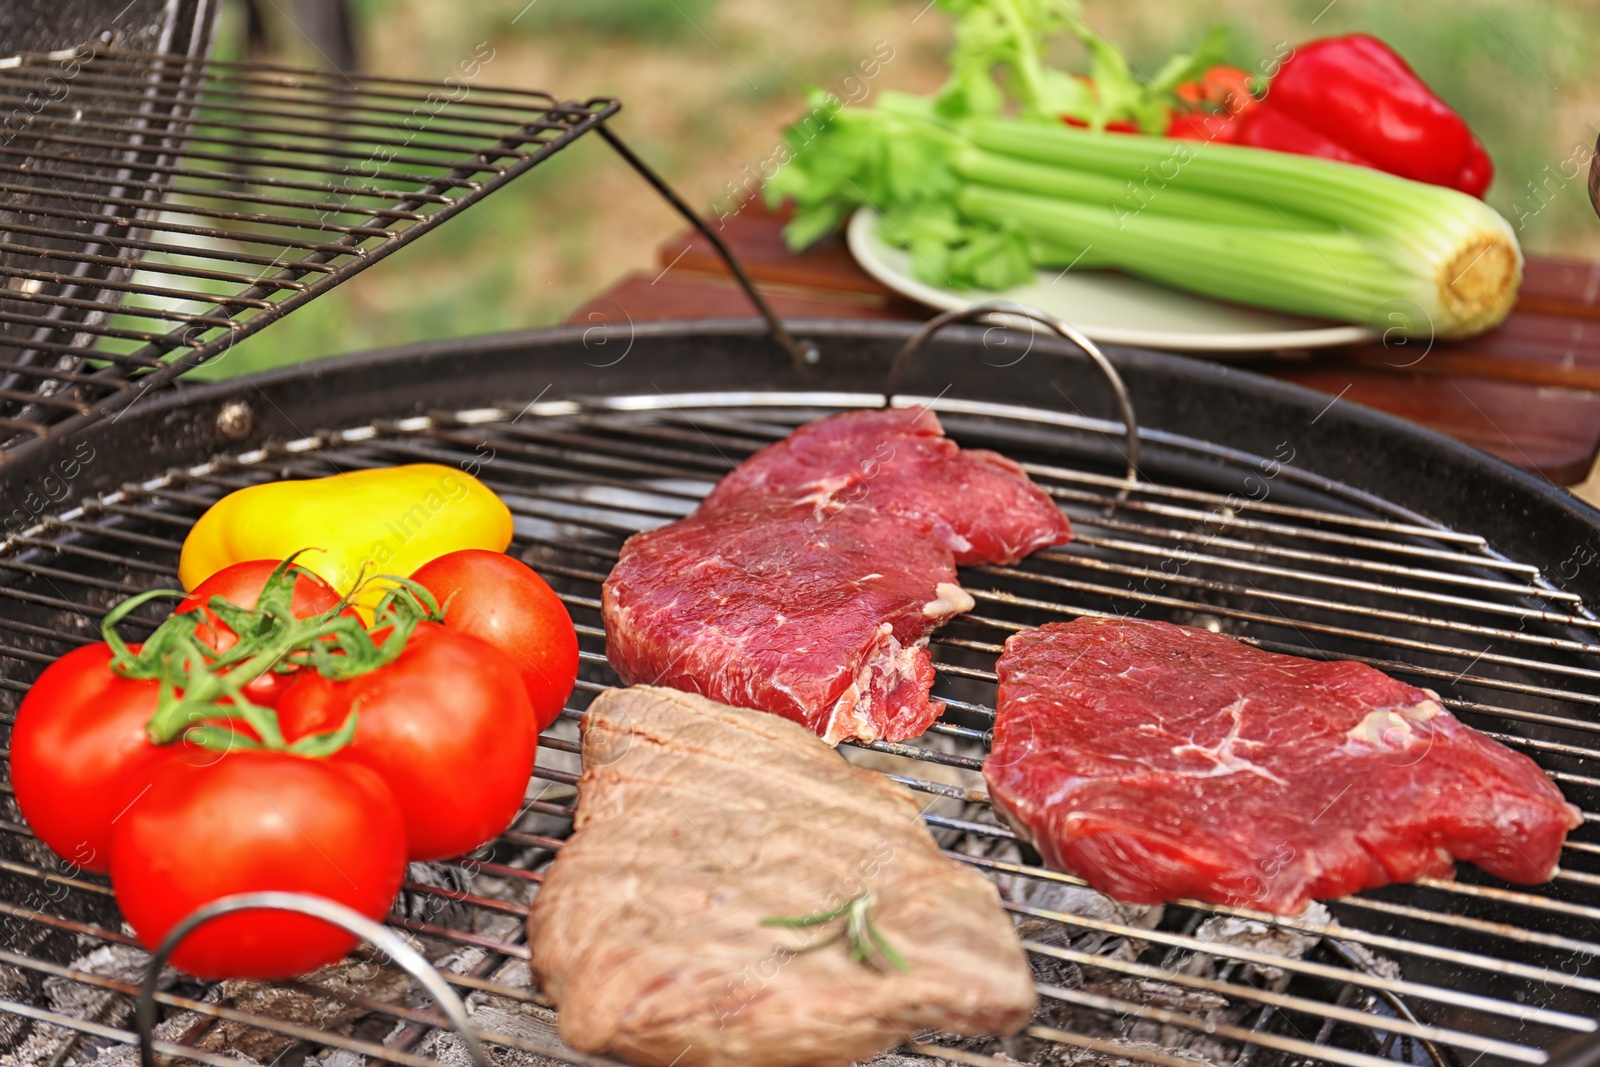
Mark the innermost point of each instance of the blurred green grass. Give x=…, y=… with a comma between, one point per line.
x=644, y=19
x=708, y=84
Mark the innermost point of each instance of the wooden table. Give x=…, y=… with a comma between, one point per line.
x=1528, y=391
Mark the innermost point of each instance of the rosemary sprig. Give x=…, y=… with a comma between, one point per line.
x=860, y=934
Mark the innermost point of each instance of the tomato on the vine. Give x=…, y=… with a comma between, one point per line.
x=503, y=601
x=79, y=752
x=251, y=821
x=447, y=726
x=241, y=584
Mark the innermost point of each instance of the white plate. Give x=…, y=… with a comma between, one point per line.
x=1110, y=307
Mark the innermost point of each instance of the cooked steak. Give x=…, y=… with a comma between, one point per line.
x=697, y=823
x=1160, y=762
x=899, y=462
x=823, y=620
x=807, y=583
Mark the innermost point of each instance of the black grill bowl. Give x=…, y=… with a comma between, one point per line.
x=1261, y=510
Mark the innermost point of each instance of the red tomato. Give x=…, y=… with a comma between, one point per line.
x=1115, y=126
x=1228, y=88
x=1204, y=126
x=241, y=584
x=448, y=728
x=501, y=600
x=79, y=752
x=248, y=822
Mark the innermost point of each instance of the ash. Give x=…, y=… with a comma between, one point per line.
x=340, y=1002
x=343, y=1002
x=1093, y=924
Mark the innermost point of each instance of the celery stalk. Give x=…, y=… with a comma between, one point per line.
x=1452, y=254
x=1123, y=198
x=1337, y=275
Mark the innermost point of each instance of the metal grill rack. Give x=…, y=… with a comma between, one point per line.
x=1465, y=971
x=156, y=209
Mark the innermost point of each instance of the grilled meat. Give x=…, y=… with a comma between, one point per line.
x=696, y=823
x=1161, y=762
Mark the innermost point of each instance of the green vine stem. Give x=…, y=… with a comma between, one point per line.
x=199, y=685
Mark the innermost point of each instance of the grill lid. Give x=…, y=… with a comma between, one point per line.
x=178, y=26
x=160, y=208
x=156, y=208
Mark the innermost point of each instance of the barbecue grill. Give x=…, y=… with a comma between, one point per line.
x=1256, y=509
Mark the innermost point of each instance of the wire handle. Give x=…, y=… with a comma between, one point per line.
x=801, y=353
x=1130, y=440
x=373, y=933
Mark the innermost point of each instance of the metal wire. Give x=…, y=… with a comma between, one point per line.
x=1002, y=309
x=158, y=209
x=401, y=953
x=1500, y=973
x=800, y=353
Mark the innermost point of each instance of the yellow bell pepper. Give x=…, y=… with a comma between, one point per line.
x=388, y=520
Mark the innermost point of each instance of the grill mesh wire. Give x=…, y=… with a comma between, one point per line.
x=156, y=210
x=1449, y=971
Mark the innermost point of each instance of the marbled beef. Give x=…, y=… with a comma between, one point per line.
x=823, y=620
x=1160, y=762
x=899, y=462
x=807, y=583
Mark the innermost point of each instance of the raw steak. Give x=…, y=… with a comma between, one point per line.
x=807, y=583
x=697, y=821
x=1161, y=762
x=899, y=462
x=820, y=619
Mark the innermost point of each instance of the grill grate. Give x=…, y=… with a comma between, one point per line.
x=159, y=209
x=1456, y=971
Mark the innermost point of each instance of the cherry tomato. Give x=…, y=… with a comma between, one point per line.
x=1204, y=126
x=241, y=584
x=448, y=728
x=1114, y=126
x=501, y=600
x=78, y=743
x=1228, y=88
x=252, y=821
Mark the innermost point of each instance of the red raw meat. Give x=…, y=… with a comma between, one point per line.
x=823, y=619
x=899, y=462
x=1161, y=762
x=807, y=583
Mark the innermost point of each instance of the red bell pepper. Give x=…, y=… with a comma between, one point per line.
x=1362, y=103
x=1272, y=127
